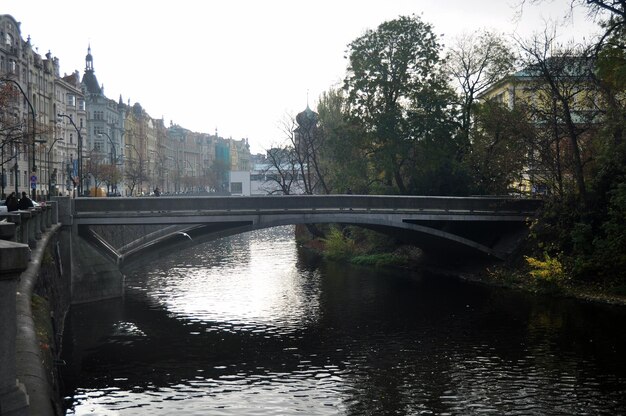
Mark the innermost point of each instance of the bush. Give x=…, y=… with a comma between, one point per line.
x=338, y=246
x=549, y=270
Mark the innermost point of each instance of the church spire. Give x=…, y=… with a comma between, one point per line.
x=89, y=60
x=89, y=78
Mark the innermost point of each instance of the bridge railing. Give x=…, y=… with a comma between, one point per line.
x=307, y=202
x=27, y=226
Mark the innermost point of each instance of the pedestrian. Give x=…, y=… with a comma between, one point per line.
x=11, y=202
x=25, y=202
x=157, y=192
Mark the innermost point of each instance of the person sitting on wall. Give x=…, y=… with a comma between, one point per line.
x=11, y=202
x=157, y=191
x=25, y=202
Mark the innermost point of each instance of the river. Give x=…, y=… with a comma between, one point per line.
x=251, y=325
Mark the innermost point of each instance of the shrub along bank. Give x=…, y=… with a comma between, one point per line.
x=530, y=269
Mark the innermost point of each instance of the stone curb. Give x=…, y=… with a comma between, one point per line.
x=30, y=370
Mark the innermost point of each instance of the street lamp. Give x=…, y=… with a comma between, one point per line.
x=160, y=168
x=15, y=144
x=113, y=152
x=32, y=111
x=49, y=163
x=80, y=153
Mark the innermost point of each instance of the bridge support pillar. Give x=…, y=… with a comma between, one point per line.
x=13, y=261
x=93, y=276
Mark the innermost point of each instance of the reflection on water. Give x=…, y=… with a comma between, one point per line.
x=247, y=325
x=241, y=284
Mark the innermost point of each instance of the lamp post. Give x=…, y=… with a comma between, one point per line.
x=113, y=152
x=80, y=153
x=32, y=111
x=112, y=156
x=160, y=168
x=15, y=144
x=49, y=166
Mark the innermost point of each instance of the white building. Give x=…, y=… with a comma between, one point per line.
x=239, y=183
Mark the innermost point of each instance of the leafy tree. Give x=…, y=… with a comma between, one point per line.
x=499, y=139
x=398, y=93
x=217, y=176
x=344, y=154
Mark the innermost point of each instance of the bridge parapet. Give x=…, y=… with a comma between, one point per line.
x=27, y=226
x=84, y=206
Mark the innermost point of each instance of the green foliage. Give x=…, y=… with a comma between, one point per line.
x=499, y=139
x=380, y=260
x=343, y=153
x=338, y=246
x=398, y=94
x=609, y=246
x=398, y=128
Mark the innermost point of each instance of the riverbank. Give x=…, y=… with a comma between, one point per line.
x=514, y=274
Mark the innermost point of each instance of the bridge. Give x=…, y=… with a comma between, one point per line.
x=486, y=226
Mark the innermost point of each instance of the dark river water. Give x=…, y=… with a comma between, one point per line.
x=250, y=326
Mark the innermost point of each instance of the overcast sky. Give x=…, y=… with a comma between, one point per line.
x=242, y=66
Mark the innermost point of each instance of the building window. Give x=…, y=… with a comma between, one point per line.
x=71, y=100
x=98, y=146
x=236, y=187
x=81, y=105
x=71, y=138
x=8, y=39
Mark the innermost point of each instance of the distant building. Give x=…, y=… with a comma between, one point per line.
x=528, y=89
x=146, y=153
x=104, y=133
x=239, y=183
x=27, y=165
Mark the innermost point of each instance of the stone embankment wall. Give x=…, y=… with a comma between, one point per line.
x=35, y=291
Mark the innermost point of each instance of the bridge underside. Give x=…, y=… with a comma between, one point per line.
x=467, y=235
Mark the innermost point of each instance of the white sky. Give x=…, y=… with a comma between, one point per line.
x=241, y=66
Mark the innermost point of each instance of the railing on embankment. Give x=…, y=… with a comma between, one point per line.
x=27, y=372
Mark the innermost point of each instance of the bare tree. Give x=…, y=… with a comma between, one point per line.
x=476, y=61
x=282, y=171
x=96, y=168
x=561, y=87
x=135, y=174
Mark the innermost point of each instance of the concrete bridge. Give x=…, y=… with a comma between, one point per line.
x=470, y=226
